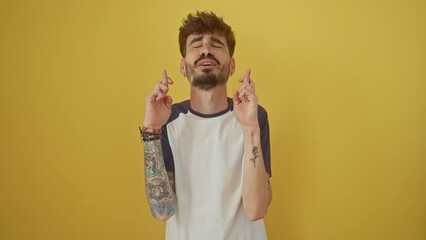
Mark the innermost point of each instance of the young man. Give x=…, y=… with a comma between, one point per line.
x=207, y=159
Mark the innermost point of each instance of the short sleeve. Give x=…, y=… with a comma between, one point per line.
x=167, y=152
x=264, y=138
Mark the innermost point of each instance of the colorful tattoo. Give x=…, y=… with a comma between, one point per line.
x=159, y=208
x=172, y=181
x=159, y=184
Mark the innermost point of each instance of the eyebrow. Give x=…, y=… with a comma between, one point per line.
x=196, y=39
x=212, y=38
x=217, y=40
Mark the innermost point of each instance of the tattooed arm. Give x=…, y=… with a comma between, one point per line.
x=159, y=183
x=257, y=193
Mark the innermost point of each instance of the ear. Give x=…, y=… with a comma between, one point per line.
x=183, y=67
x=232, y=66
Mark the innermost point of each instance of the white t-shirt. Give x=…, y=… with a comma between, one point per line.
x=205, y=152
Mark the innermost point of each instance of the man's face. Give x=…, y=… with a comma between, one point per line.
x=207, y=63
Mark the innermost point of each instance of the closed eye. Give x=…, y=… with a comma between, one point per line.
x=216, y=41
x=196, y=42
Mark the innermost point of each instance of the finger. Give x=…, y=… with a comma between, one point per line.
x=248, y=72
x=157, y=88
x=236, y=97
x=163, y=88
x=169, y=80
x=168, y=101
x=252, y=86
x=241, y=88
x=246, y=94
x=248, y=91
x=151, y=98
x=157, y=93
x=160, y=95
x=165, y=78
x=243, y=95
x=246, y=77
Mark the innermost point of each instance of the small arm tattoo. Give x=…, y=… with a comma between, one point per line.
x=255, y=152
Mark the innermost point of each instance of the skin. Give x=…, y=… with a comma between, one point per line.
x=159, y=184
x=257, y=192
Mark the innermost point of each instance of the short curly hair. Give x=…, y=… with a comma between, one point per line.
x=205, y=22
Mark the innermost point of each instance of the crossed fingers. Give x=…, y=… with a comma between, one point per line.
x=247, y=91
x=161, y=88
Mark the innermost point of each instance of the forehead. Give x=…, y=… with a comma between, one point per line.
x=206, y=36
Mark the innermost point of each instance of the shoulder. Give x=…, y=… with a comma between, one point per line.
x=262, y=114
x=177, y=109
x=181, y=106
x=261, y=110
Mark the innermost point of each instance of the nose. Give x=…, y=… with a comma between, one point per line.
x=206, y=49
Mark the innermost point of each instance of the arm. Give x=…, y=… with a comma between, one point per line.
x=159, y=184
x=257, y=192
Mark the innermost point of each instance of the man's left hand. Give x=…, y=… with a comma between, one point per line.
x=245, y=102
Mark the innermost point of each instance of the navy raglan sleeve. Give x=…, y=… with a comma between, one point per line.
x=167, y=152
x=165, y=141
x=264, y=138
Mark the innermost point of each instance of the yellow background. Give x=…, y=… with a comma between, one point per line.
x=344, y=83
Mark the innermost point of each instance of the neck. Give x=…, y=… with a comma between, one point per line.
x=209, y=102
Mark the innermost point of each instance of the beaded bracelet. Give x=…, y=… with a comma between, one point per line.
x=148, y=138
x=150, y=134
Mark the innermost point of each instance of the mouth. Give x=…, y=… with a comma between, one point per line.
x=207, y=63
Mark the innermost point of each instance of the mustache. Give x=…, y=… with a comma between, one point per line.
x=204, y=56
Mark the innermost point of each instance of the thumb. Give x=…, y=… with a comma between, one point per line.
x=168, y=101
x=236, y=98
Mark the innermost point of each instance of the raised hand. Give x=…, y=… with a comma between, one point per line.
x=245, y=102
x=158, y=104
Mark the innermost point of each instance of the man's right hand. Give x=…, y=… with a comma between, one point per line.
x=158, y=104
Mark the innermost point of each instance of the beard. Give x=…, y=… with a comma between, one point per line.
x=207, y=79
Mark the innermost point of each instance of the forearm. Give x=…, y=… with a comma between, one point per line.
x=159, y=186
x=257, y=193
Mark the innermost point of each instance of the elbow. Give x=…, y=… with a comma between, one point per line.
x=255, y=213
x=163, y=218
x=163, y=211
x=256, y=209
